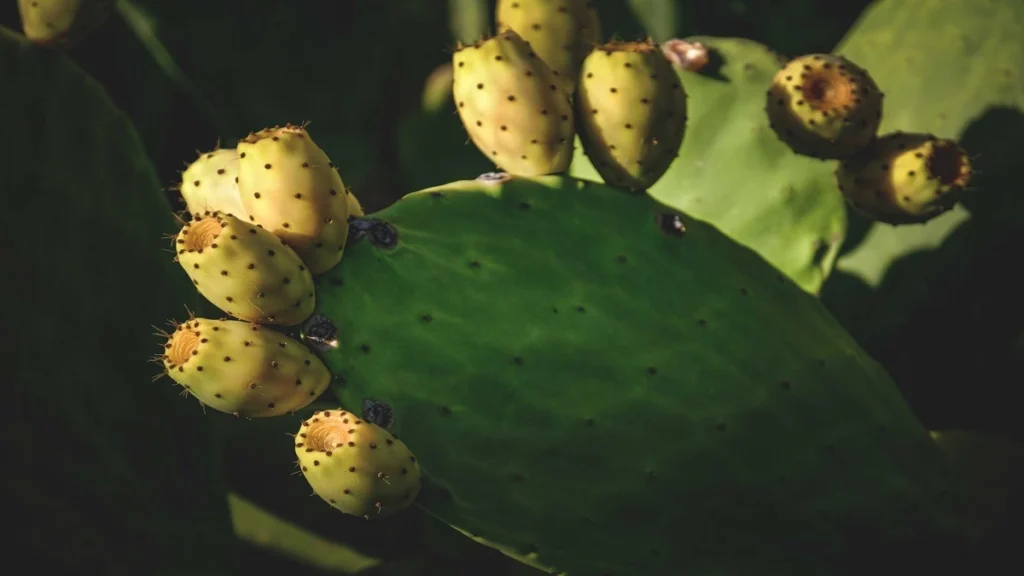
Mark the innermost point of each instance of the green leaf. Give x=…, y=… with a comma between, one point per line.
x=114, y=472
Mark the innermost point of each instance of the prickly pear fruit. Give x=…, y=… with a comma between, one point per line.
x=210, y=184
x=357, y=466
x=62, y=23
x=903, y=178
x=513, y=106
x=632, y=113
x=824, y=106
x=290, y=187
x=242, y=368
x=245, y=270
x=561, y=32
x=354, y=207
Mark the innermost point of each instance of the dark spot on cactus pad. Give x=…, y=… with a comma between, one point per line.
x=652, y=370
x=445, y=411
x=426, y=317
x=320, y=333
x=474, y=264
x=365, y=348
x=518, y=360
x=721, y=427
x=671, y=224
x=379, y=413
x=581, y=309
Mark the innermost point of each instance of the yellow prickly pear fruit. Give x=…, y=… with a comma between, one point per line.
x=824, y=106
x=242, y=368
x=631, y=107
x=245, y=271
x=210, y=184
x=290, y=187
x=356, y=466
x=513, y=107
x=62, y=23
x=561, y=32
x=903, y=178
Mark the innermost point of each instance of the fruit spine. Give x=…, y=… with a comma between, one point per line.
x=631, y=107
x=290, y=187
x=241, y=368
x=824, y=106
x=356, y=466
x=245, y=271
x=513, y=107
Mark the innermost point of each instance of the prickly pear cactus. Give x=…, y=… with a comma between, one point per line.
x=291, y=188
x=210, y=184
x=904, y=178
x=632, y=113
x=355, y=465
x=824, y=106
x=62, y=23
x=245, y=270
x=582, y=401
x=560, y=32
x=734, y=172
x=243, y=368
x=512, y=105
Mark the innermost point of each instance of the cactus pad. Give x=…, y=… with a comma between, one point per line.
x=905, y=178
x=733, y=172
x=242, y=368
x=210, y=184
x=355, y=465
x=290, y=187
x=824, y=106
x=245, y=270
x=606, y=386
x=632, y=113
x=513, y=106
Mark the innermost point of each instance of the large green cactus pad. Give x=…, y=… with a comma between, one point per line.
x=597, y=388
x=735, y=173
x=949, y=289
x=110, y=472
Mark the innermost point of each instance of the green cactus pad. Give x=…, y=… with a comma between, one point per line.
x=596, y=384
x=734, y=172
x=110, y=472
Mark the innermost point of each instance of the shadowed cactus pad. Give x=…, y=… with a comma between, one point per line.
x=607, y=386
x=632, y=113
x=905, y=178
x=210, y=184
x=356, y=466
x=561, y=32
x=242, y=368
x=824, y=106
x=245, y=271
x=290, y=187
x=513, y=106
